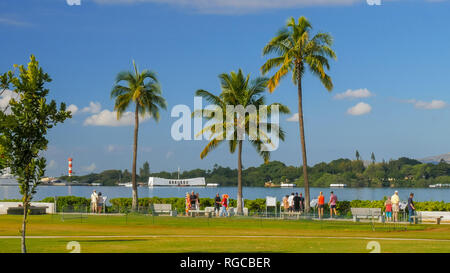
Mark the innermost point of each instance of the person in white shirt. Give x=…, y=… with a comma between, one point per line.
x=395, y=199
x=94, y=198
x=291, y=202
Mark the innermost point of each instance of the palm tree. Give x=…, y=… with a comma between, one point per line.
x=295, y=51
x=238, y=90
x=144, y=90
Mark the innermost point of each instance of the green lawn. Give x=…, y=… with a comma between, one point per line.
x=182, y=234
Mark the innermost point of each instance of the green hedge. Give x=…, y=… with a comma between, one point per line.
x=258, y=205
x=69, y=203
x=178, y=203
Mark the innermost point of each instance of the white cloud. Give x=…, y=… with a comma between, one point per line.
x=72, y=108
x=13, y=22
x=145, y=149
x=361, y=108
x=236, y=6
x=89, y=168
x=434, y=104
x=111, y=148
x=5, y=97
x=52, y=164
x=108, y=118
x=354, y=94
x=93, y=108
x=169, y=154
x=293, y=118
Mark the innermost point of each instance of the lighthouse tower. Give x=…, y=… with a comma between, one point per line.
x=70, y=166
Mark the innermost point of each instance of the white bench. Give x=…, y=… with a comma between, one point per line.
x=49, y=207
x=231, y=211
x=435, y=216
x=198, y=212
x=163, y=208
x=367, y=213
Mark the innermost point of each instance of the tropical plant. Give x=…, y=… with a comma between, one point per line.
x=238, y=91
x=295, y=51
x=24, y=129
x=144, y=90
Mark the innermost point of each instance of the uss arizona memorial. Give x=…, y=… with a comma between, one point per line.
x=190, y=182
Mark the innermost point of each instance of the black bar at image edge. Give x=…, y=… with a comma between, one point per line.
x=221, y=262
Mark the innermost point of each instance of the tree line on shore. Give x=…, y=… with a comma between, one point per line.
x=402, y=172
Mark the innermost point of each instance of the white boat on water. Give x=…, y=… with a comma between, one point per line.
x=128, y=185
x=190, y=182
x=212, y=185
x=6, y=178
x=338, y=185
x=287, y=185
x=439, y=186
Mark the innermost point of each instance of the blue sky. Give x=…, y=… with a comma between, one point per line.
x=392, y=66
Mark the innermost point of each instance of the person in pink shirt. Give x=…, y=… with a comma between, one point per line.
x=332, y=204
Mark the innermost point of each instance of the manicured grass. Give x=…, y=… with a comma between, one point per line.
x=217, y=235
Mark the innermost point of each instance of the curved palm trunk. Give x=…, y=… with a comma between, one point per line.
x=239, y=201
x=134, y=204
x=302, y=140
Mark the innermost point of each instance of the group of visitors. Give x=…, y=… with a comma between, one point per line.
x=220, y=203
x=294, y=202
x=331, y=204
x=392, y=207
x=97, y=201
x=192, y=201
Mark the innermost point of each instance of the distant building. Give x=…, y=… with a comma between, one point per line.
x=156, y=181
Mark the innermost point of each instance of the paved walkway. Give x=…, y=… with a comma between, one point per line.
x=223, y=236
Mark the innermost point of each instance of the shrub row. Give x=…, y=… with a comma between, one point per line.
x=257, y=205
x=69, y=203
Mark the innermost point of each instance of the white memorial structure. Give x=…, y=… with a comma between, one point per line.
x=190, y=182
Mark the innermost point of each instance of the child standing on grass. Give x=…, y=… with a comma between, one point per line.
x=388, y=209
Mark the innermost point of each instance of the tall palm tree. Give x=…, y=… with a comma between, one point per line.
x=295, y=51
x=238, y=90
x=144, y=90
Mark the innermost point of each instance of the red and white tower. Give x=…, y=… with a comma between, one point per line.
x=70, y=166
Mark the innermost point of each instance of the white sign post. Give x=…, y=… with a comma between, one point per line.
x=271, y=202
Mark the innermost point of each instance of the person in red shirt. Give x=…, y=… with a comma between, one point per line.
x=320, y=204
x=224, y=203
x=388, y=209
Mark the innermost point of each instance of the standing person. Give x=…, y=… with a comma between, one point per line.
x=388, y=209
x=224, y=203
x=100, y=201
x=94, y=197
x=296, y=202
x=302, y=203
x=217, y=205
x=192, y=197
x=332, y=204
x=197, y=201
x=188, y=203
x=411, y=208
x=395, y=199
x=286, y=203
x=321, y=204
x=291, y=202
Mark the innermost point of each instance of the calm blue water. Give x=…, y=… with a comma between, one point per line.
x=420, y=194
